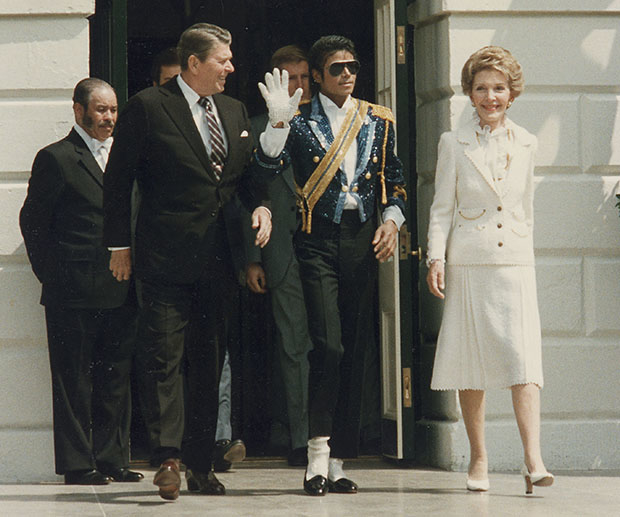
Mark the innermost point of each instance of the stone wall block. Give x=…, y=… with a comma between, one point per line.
x=576, y=213
x=602, y=295
x=12, y=197
x=25, y=404
x=39, y=7
x=560, y=295
x=600, y=115
x=28, y=126
x=20, y=312
x=43, y=52
x=580, y=51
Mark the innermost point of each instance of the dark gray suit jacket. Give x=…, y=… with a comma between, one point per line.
x=278, y=254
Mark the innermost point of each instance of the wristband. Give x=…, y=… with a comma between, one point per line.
x=429, y=261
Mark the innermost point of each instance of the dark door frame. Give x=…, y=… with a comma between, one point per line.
x=108, y=61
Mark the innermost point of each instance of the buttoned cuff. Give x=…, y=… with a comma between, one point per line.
x=394, y=213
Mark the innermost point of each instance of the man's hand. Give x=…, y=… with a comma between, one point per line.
x=281, y=107
x=261, y=220
x=120, y=264
x=435, y=279
x=255, y=278
x=385, y=240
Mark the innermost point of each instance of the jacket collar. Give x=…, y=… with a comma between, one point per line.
x=320, y=126
x=175, y=104
x=467, y=136
x=85, y=157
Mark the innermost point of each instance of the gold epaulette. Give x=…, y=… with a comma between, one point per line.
x=301, y=103
x=383, y=112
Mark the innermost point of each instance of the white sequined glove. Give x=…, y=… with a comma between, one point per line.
x=281, y=107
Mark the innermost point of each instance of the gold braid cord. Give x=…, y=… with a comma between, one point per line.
x=399, y=190
x=387, y=115
x=317, y=183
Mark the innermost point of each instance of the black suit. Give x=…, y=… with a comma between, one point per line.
x=182, y=255
x=90, y=321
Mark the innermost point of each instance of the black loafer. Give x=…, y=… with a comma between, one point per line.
x=203, y=482
x=227, y=452
x=298, y=457
x=342, y=486
x=86, y=477
x=122, y=475
x=316, y=486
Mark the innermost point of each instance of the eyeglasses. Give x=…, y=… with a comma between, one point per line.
x=335, y=69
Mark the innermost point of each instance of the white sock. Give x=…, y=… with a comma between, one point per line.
x=318, y=457
x=335, y=469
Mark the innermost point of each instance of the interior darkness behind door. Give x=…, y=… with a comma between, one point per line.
x=258, y=28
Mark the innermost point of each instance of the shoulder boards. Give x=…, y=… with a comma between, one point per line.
x=301, y=103
x=382, y=112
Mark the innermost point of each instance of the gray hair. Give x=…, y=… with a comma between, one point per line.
x=199, y=39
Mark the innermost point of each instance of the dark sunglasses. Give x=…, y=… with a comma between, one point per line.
x=335, y=69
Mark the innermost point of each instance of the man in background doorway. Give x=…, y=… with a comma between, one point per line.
x=90, y=317
x=166, y=65
x=274, y=269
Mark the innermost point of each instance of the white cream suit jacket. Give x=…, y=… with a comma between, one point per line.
x=472, y=222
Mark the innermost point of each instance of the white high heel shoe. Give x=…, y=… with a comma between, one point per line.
x=536, y=479
x=478, y=485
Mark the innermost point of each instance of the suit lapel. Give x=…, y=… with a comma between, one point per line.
x=364, y=144
x=475, y=154
x=319, y=124
x=175, y=104
x=520, y=151
x=85, y=158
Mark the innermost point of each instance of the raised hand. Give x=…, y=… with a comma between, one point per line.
x=281, y=107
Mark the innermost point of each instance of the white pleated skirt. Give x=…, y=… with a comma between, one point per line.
x=490, y=331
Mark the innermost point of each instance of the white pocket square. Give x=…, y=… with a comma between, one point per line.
x=244, y=134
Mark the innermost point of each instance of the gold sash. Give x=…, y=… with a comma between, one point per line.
x=317, y=183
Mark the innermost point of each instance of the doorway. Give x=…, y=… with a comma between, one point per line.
x=258, y=28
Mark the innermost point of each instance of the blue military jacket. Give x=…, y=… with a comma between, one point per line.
x=310, y=138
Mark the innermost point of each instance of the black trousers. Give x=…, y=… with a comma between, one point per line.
x=188, y=320
x=90, y=358
x=338, y=273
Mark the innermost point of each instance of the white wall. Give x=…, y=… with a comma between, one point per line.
x=44, y=52
x=571, y=61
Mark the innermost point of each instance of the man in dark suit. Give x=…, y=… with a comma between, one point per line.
x=188, y=147
x=91, y=318
x=166, y=66
x=274, y=269
x=342, y=153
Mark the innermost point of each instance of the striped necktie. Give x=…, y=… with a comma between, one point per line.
x=218, y=149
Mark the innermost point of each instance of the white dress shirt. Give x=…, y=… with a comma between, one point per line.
x=100, y=150
x=199, y=116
